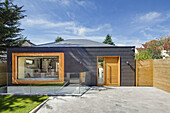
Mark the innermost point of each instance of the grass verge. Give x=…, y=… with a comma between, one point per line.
x=19, y=104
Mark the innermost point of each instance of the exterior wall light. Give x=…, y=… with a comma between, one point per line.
x=127, y=62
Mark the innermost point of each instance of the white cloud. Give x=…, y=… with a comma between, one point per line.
x=99, y=38
x=121, y=40
x=150, y=25
x=147, y=35
x=149, y=16
x=67, y=30
x=128, y=42
x=70, y=15
x=72, y=2
x=65, y=2
x=168, y=14
x=45, y=23
x=79, y=30
x=86, y=4
x=62, y=2
x=80, y=2
x=71, y=30
x=68, y=26
x=159, y=29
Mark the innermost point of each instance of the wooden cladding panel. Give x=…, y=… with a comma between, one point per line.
x=161, y=74
x=14, y=68
x=144, y=73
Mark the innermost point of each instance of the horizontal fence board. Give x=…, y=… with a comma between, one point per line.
x=161, y=78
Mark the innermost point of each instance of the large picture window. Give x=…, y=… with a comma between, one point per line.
x=37, y=67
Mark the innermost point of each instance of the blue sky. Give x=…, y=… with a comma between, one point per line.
x=130, y=22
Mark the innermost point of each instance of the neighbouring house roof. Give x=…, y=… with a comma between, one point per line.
x=140, y=49
x=75, y=43
x=28, y=43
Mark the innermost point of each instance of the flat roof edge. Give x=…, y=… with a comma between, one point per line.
x=80, y=47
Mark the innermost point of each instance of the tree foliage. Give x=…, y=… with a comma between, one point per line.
x=59, y=39
x=143, y=55
x=153, y=49
x=108, y=40
x=10, y=33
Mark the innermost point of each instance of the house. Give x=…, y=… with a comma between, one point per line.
x=3, y=57
x=164, y=50
x=28, y=43
x=93, y=62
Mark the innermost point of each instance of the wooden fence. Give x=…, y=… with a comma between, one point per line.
x=154, y=73
x=144, y=73
x=161, y=74
x=3, y=74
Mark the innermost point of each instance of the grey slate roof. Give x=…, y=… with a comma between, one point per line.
x=74, y=43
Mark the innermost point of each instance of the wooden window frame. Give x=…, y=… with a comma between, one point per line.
x=104, y=70
x=81, y=76
x=15, y=68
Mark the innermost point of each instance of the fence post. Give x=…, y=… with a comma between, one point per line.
x=136, y=70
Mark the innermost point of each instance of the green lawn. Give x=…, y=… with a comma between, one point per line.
x=19, y=104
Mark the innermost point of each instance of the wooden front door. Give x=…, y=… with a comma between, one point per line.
x=111, y=71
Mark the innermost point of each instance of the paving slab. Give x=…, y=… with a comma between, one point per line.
x=111, y=100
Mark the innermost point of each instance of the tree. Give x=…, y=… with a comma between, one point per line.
x=143, y=55
x=59, y=39
x=167, y=46
x=108, y=40
x=155, y=47
x=10, y=35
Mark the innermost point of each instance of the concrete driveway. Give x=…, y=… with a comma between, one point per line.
x=111, y=100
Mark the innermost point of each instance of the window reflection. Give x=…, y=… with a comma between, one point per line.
x=100, y=70
x=38, y=68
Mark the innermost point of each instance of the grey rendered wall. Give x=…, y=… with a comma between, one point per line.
x=85, y=60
